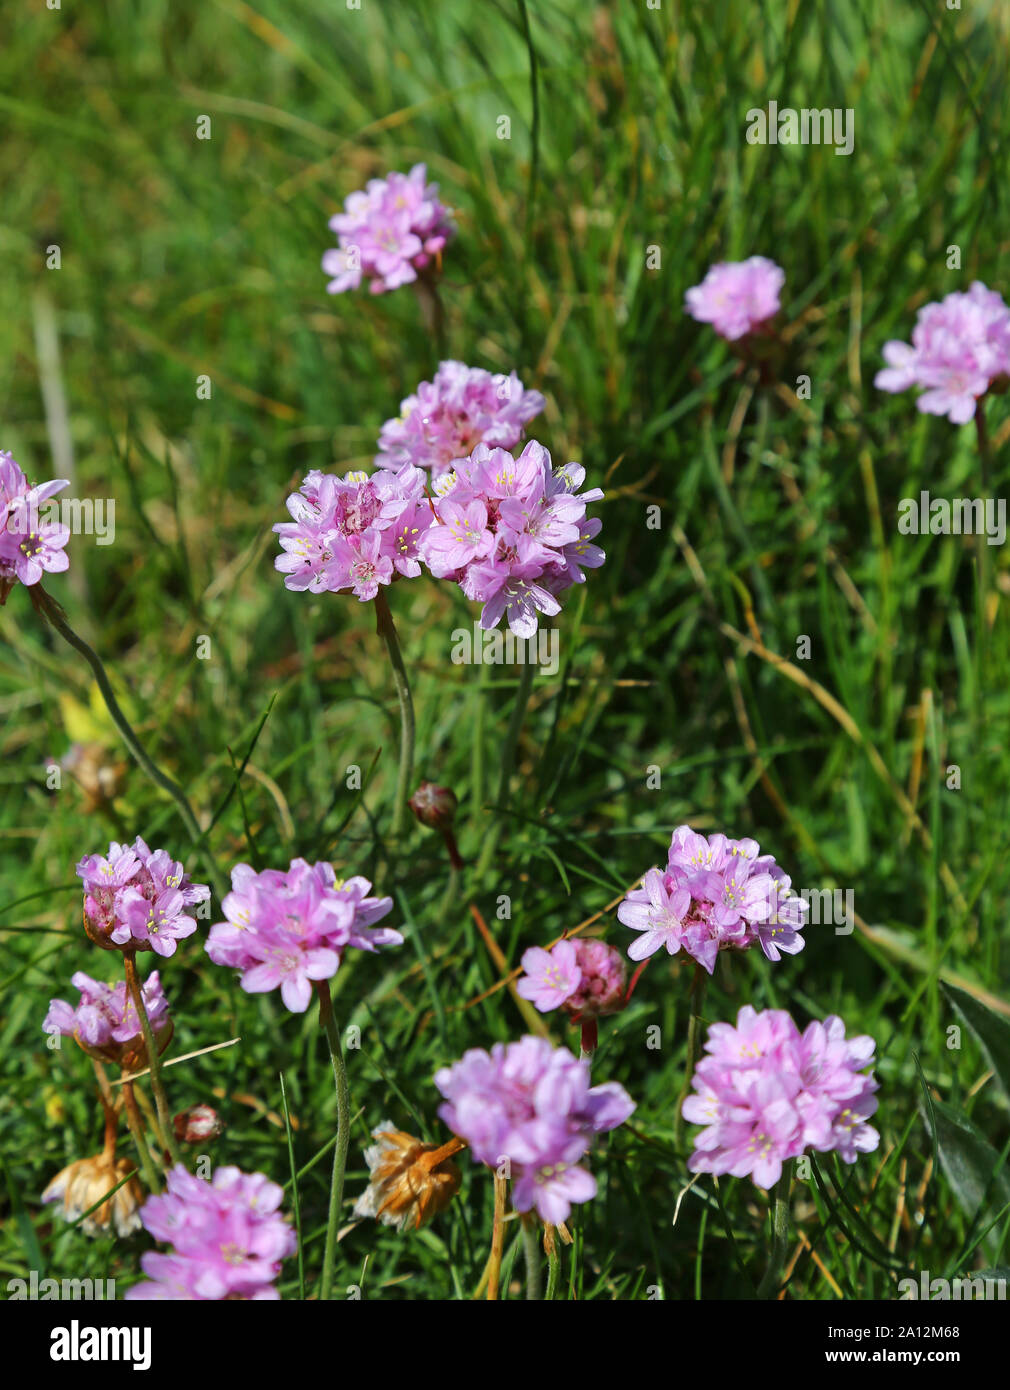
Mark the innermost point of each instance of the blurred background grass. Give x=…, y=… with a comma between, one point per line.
x=182, y=257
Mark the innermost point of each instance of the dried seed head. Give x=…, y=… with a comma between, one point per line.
x=83, y=1183
x=411, y=1182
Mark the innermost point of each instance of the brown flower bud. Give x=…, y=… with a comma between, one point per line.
x=436, y=806
x=197, y=1124
x=433, y=805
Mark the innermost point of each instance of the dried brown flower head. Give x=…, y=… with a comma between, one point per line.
x=410, y=1181
x=82, y=1183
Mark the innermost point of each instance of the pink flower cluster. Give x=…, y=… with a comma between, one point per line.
x=387, y=233
x=513, y=533
x=286, y=928
x=737, y=297
x=106, y=1015
x=355, y=532
x=227, y=1234
x=447, y=418
x=29, y=547
x=585, y=978
x=717, y=894
x=531, y=1104
x=959, y=348
x=766, y=1093
x=136, y=898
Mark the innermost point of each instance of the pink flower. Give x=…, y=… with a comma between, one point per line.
x=551, y=976
x=287, y=929
x=512, y=532
x=716, y=894
x=105, y=1021
x=388, y=233
x=658, y=913
x=29, y=547
x=136, y=899
x=960, y=347
x=447, y=418
x=766, y=1093
x=737, y=297
x=530, y=1104
x=356, y=532
x=227, y=1234
x=585, y=978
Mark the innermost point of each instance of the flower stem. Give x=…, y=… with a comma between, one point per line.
x=590, y=1039
x=531, y=1249
x=137, y=1130
x=769, y=1286
x=53, y=613
x=329, y=1026
x=981, y=539
x=151, y=1048
x=433, y=313
x=553, y=1263
x=698, y=986
x=497, y=1238
x=508, y=758
x=386, y=630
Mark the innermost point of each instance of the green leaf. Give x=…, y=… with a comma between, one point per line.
x=991, y=1031
x=969, y=1161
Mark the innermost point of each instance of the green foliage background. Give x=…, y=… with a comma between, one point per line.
x=778, y=519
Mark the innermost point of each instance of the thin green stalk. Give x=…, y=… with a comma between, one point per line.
x=53, y=613
x=553, y=1265
x=477, y=757
x=295, y=1205
x=981, y=539
x=328, y=1024
x=386, y=630
x=694, y=1027
x=148, y=1112
x=508, y=758
x=769, y=1286
x=531, y=193
x=984, y=444
x=137, y=1130
x=153, y=1061
x=433, y=313
x=531, y=1250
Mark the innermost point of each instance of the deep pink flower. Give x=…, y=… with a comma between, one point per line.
x=388, y=233
x=447, y=418
x=29, y=546
x=530, y=1105
x=105, y=1020
x=136, y=899
x=287, y=929
x=551, y=976
x=227, y=1233
x=960, y=347
x=737, y=297
x=512, y=532
x=716, y=894
x=585, y=978
x=766, y=1093
x=357, y=532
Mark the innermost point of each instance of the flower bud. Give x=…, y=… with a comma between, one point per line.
x=601, y=989
x=434, y=806
x=197, y=1124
